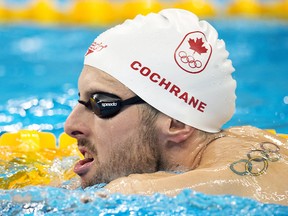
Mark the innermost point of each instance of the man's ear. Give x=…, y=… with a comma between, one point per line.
x=178, y=131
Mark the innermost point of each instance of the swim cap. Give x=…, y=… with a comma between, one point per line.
x=174, y=62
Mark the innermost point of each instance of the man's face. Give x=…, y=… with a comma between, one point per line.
x=113, y=147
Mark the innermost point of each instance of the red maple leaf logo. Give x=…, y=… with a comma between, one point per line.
x=197, y=45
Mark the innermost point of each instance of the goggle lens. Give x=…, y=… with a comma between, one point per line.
x=106, y=105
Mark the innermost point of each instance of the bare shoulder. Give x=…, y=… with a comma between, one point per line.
x=246, y=162
x=244, y=142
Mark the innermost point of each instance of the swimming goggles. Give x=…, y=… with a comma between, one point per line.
x=106, y=105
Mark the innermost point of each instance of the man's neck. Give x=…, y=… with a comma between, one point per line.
x=187, y=155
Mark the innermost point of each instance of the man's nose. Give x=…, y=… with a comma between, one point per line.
x=77, y=123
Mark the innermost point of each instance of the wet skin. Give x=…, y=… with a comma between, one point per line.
x=133, y=157
x=214, y=176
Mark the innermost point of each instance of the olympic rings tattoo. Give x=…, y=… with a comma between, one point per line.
x=268, y=152
x=247, y=168
x=190, y=60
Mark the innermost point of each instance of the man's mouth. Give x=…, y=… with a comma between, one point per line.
x=84, y=165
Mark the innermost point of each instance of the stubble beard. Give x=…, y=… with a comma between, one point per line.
x=135, y=155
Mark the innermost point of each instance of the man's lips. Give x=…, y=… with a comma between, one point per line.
x=83, y=166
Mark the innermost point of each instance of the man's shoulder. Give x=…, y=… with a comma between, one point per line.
x=241, y=142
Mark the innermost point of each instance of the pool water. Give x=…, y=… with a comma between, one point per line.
x=54, y=201
x=39, y=67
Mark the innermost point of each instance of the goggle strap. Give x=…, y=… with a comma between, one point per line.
x=133, y=100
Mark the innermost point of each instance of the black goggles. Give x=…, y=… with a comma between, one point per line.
x=106, y=105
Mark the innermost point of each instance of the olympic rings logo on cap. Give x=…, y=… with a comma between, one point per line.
x=190, y=60
x=193, y=53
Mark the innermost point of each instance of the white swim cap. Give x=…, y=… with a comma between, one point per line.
x=174, y=62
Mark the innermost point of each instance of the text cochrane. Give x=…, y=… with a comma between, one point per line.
x=169, y=86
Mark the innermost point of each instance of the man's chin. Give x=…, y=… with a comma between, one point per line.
x=89, y=183
x=85, y=182
x=86, y=185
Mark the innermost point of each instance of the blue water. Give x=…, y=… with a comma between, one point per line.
x=39, y=67
x=46, y=201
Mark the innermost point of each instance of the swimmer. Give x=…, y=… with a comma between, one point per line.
x=154, y=94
